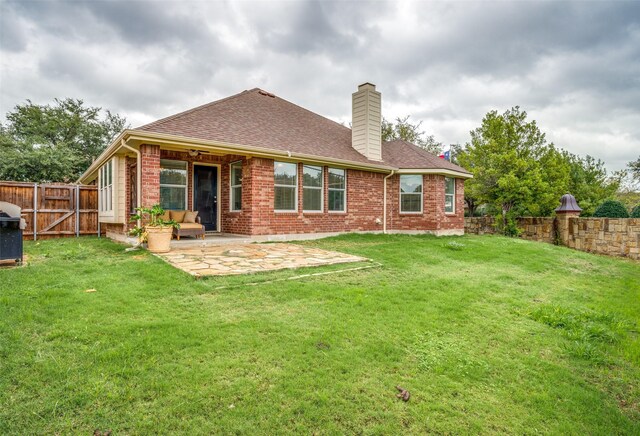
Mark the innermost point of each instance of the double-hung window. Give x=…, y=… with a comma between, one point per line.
x=105, y=187
x=411, y=193
x=173, y=184
x=449, y=195
x=312, y=184
x=236, y=186
x=285, y=177
x=337, y=190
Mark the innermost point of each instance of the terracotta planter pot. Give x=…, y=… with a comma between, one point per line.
x=159, y=239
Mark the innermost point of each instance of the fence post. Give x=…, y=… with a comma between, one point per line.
x=568, y=209
x=77, y=210
x=35, y=211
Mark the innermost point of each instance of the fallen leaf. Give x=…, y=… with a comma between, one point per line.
x=91, y=290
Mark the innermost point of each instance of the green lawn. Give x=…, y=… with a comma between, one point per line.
x=490, y=335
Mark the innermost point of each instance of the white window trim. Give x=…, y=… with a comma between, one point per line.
x=421, y=211
x=231, y=186
x=319, y=188
x=344, y=206
x=186, y=185
x=106, y=191
x=453, y=212
x=275, y=185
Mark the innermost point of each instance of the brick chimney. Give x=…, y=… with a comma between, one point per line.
x=366, y=121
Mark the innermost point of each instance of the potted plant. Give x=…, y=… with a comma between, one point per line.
x=157, y=231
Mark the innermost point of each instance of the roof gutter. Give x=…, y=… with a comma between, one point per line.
x=441, y=171
x=231, y=148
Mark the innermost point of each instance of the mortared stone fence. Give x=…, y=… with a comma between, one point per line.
x=610, y=236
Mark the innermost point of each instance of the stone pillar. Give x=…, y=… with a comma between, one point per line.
x=150, y=155
x=568, y=209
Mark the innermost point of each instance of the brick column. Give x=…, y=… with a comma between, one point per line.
x=150, y=155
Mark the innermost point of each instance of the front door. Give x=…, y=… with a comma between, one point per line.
x=205, y=195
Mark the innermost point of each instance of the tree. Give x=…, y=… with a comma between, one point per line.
x=45, y=143
x=404, y=129
x=634, y=169
x=460, y=157
x=515, y=170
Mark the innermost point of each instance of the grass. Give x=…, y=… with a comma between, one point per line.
x=489, y=334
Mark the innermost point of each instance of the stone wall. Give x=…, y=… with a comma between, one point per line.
x=481, y=225
x=537, y=229
x=611, y=236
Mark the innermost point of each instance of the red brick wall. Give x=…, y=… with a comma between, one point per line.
x=433, y=216
x=150, y=155
x=364, y=199
x=231, y=222
x=363, y=204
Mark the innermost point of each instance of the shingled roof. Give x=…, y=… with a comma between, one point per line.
x=261, y=119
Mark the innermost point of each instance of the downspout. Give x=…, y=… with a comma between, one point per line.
x=138, y=174
x=384, y=201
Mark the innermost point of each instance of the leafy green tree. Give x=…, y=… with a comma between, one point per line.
x=45, y=143
x=459, y=156
x=516, y=172
x=635, y=213
x=589, y=182
x=404, y=129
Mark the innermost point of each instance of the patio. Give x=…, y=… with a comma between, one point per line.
x=247, y=258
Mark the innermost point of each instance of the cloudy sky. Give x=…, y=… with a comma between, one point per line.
x=574, y=67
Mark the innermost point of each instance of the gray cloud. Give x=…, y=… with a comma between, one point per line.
x=575, y=67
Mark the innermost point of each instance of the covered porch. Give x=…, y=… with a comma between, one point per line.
x=203, y=181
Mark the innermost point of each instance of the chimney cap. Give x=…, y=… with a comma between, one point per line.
x=568, y=203
x=365, y=84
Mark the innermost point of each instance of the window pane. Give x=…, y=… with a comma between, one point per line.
x=449, y=185
x=312, y=176
x=236, y=198
x=336, y=178
x=172, y=198
x=109, y=172
x=284, y=173
x=336, y=201
x=236, y=174
x=312, y=199
x=410, y=202
x=284, y=198
x=411, y=183
x=448, y=203
x=173, y=172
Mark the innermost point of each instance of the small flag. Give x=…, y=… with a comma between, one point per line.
x=447, y=155
x=441, y=156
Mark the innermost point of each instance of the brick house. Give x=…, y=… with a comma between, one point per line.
x=255, y=164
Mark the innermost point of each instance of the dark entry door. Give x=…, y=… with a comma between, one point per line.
x=205, y=195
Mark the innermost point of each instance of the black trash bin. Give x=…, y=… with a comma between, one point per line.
x=10, y=238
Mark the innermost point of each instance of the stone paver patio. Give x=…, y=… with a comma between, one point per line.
x=208, y=260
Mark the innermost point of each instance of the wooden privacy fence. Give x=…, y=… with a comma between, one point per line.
x=54, y=210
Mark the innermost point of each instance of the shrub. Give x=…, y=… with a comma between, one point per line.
x=611, y=209
x=635, y=213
